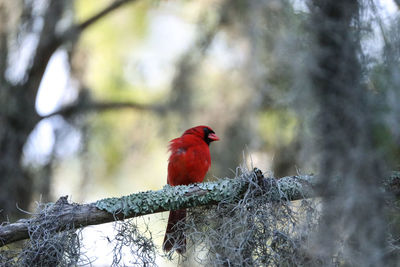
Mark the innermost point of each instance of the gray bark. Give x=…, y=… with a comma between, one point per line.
x=72, y=215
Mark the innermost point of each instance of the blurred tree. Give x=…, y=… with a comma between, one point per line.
x=18, y=114
x=345, y=123
x=30, y=33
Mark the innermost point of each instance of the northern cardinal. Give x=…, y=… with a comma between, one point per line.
x=188, y=163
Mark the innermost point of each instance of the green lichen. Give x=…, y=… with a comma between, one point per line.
x=172, y=197
x=295, y=187
x=228, y=190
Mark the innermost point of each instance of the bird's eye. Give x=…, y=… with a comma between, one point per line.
x=207, y=131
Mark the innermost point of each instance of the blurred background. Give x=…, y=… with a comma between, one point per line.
x=88, y=103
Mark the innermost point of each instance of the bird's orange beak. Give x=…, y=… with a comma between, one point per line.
x=213, y=137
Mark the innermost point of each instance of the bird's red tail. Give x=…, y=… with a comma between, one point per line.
x=174, y=236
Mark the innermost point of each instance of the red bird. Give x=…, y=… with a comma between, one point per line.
x=188, y=163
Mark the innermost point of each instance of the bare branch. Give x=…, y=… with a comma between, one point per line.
x=79, y=107
x=168, y=198
x=172, y=198
x=50, y=41
x=113, y=6
x=48, y=44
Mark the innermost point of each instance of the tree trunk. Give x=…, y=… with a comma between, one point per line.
x=353, y=218
x=17, y=119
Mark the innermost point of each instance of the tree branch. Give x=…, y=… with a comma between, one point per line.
x=50, y=41
x=66, y=214
x=78, y=107
x=48, y=44
x=113, y=6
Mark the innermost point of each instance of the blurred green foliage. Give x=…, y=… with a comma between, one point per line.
x=277, y=128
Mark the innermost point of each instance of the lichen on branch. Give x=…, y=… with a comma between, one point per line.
x=173, y=198
x=170, y=198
